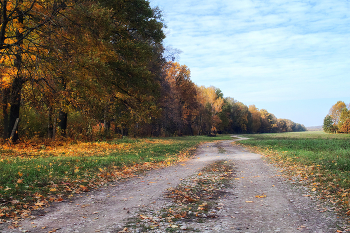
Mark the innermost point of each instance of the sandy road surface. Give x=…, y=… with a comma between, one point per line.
x=280, y=208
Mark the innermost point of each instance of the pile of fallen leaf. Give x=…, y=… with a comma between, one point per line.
x=195, y=199
x=70, y=148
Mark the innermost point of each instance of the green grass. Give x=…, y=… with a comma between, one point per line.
x=331, y=151
x=27, y=179
x=320, y=159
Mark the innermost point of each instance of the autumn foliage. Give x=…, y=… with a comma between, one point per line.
x=90, y=69
x=338, y=119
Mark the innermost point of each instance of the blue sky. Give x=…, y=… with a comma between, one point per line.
x=291, y=58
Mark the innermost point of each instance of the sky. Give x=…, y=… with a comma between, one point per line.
x=291, y=58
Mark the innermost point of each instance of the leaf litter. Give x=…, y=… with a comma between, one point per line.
x=193, y=200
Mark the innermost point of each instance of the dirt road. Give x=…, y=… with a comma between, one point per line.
x=259, y=200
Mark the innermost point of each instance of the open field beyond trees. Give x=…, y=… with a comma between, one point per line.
x=317, y=159
x=33, y=175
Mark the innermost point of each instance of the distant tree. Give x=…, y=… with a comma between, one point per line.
x=282, y=125
x=268, y=122
x=225, y=114
x=336, y=110
x=299, y=127
x=241, y=118
x=328, y=125
x=256, y=118
x=345, y=128
x=344, y=116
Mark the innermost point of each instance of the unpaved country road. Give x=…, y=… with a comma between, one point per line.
x=281, y=208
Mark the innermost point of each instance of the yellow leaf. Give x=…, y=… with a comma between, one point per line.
x=260, y=196
x=249, y=201
x=53, y=190
x=40, y=203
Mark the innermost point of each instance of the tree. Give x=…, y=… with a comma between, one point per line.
x=20, y=22
x=328, y=125
x=345, y=128
x=180, y=101
x=241, y=118
x=211, y=99
x=268, y=122
x=225, y=116
x=256, y=118
x=336, y=110
x=344, y=116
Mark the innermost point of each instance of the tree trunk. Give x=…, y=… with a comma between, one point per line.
x=62, y=122
x=5, y=99
x=106, y=122
x=107, y=127
x=15, y=102
x=17, y=84
x=50, y=125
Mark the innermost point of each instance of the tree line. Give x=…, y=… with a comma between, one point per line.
x=97, y=68
x=338, y=119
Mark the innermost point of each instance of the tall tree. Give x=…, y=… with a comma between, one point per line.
x=336, y=110
x=256, y=118
x=212, y=101
x=181, y=100
x=328, y=125
x=20, y=21
x=344, y=117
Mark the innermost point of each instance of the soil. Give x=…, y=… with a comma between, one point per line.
x=259, y=200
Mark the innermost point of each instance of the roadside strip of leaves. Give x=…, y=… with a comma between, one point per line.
x=194, y=200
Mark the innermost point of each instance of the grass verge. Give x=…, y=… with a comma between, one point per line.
x=194, y=200
x=317, y=159
x=33, y=175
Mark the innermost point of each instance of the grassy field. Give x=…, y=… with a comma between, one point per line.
x=320, y=160
x=32, y=175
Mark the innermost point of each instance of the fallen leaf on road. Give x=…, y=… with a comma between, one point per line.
x=40, y=203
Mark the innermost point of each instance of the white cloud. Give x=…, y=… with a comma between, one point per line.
x=264, y=50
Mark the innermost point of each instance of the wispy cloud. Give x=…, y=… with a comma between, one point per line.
x=260, y=51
